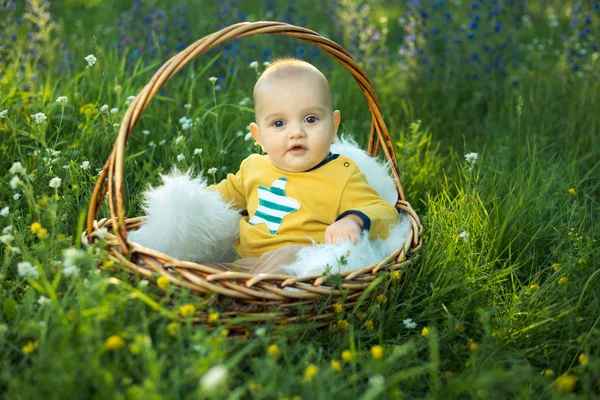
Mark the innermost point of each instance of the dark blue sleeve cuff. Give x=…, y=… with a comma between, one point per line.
x=366, y=220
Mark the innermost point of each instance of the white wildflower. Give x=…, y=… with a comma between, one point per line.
x=71, y=270
x=152, y=144
x=3, y=113
x=101, y=234
x=254, y=65
x=26, y=270
x=464, y=235
x=377, y=381
x=239, y=134
x=104, y=109
x=213, y=79
x=129, y=100
x=383, y=20
x=71, y=255
x=17, y=168
x=4, y=212
x=62, y=100
x=55, y=182
x=266, y=64
x=245, y=101
x=17, y=196
x=7, y=229
x=85, y=165
x=114, y=110
x=180, y=157
x=408, y=323
x=7, y=238
x=91, y=60
x=553, y=22
x=143, y=283
x=187, y=106
x=248, y=136
x=117, y=88
x=146, y=132
x=66, y=166
x=197, y=151
x=15, y=250
x=116, y=125
x=212, y=170
x=214, y=378
x=162, y=142
x=471, y=158
x=15, y=182
x=179, y=139
x=43, y=300
x=39, y=118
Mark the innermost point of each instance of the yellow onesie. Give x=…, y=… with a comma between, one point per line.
x=291, y=208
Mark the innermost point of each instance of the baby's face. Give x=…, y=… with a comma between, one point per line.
x=295, y=123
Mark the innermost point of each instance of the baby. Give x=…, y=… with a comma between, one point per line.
x=299, y=191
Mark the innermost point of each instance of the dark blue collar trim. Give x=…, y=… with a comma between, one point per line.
x=330, y=157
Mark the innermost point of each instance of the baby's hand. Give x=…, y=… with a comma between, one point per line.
x=346, y=229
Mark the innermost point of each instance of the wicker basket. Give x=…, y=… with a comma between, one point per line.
x=244, y=299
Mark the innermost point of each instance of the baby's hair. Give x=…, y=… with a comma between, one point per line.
x=290, y=67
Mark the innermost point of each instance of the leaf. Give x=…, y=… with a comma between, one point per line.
x=10, y=308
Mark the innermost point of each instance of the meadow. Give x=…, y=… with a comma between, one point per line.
x=495, y=111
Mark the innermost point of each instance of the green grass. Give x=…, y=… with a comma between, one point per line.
x=510, y=311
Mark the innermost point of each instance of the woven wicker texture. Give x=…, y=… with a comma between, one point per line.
x=257, y=298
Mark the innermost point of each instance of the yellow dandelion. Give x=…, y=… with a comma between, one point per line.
x=163, y=282
x=547, y=372
x=35, y=227
x=448, y=374
x=474, y=347
x=556, y=266
x=173, y=328
x=213, y=317
x=562, y=280
x=274, y=351
x=572, y=191
x=343, y=324
x=361, y=315
x=114, y=343
x=187, y=310
x=583, y=359
x=43, y=234
x=396, y=275
x=425, y=332
x=31, y=346
x=108, y=264
x=382, y=299
x=338, y=308
x=369, y=325
x=255, y=387
x=377, y=352
x=459, y=328
x=310, y=372
x=336, y=365
x=580, y=261
x=43, y=203
x=566, y=383
x=534, y=286
x=347, y=355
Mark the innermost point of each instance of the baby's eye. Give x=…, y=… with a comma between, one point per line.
x=311, y=119
x=278, y=123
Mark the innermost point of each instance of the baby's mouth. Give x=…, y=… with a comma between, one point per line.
x=297, y=149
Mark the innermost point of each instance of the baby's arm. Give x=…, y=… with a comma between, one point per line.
x=367, y=209
x=232, y=189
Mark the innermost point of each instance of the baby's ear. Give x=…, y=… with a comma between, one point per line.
x=255, y=131
x=335, y=120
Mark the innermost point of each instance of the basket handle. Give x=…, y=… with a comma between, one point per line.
x=112, y=173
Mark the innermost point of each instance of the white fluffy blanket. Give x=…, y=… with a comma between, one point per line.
x=176, y=209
